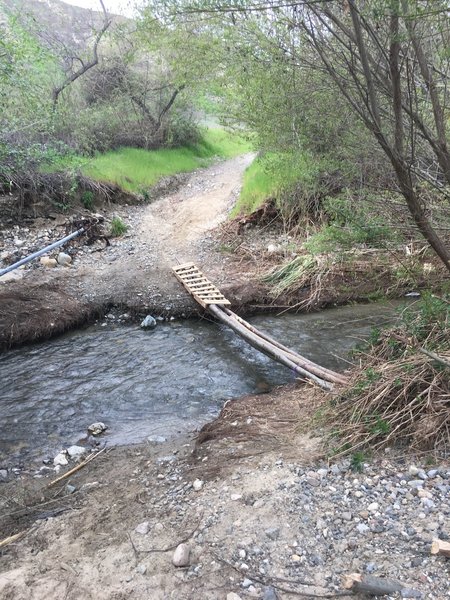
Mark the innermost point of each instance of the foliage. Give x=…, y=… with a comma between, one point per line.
x=118, y=227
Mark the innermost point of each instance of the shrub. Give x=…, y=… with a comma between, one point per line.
x=118, y=227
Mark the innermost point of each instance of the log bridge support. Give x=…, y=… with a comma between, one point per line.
x=212, y=300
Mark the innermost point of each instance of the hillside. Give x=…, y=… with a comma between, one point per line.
x=60, y=24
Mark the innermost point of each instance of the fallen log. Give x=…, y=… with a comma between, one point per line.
x=307, y=364
x=377, y=586
x=440, y=547
x=265, y=347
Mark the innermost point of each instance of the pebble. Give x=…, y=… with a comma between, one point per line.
x=142, y=569
x=50, y=263
x=143, y=528
x=373, y=507
x=233, y=596
x=181, y=555
x=247, y=583
x=156, y=439
x=197, y=485
x=269, y=593
x=3, y=474
x=273, y=533
x=64, y=259
x=235, y=497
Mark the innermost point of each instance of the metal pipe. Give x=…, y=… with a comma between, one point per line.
x=31, y=257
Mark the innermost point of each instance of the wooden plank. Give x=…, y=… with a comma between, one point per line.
x=198, y=285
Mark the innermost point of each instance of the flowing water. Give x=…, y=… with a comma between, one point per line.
x=160, y=382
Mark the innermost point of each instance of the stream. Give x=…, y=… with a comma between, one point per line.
x=160, y=382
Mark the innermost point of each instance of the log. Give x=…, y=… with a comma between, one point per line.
x=376, y=586
x=265, y=347
x=440, y=547
x=307, y=364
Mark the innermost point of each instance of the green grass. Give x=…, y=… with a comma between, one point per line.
x=136, y=170
x=273, y=176
x=258, y=185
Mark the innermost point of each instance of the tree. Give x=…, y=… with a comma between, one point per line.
x=76, y=65
x=386, y=58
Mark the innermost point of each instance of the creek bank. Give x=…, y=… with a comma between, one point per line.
x=271, y=515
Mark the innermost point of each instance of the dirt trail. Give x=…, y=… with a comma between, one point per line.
x=134, y=272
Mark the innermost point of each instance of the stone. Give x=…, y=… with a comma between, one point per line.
x=181, y=555
x=362, y=528
x=64, y=259
x=373, y=507
x=70, y=489
x=413, y=470
x=235, y=497
x=97, y=428
x=347, y=516
x=76, y=451
x=415, y=483
x=269, y=593
x=3, y=474
x=148, y=323
x=233, y=596
x=143, y=528
x=60, y=459
x=142, y=569
x=197, y=485
x=247, y=583
x=50, y=263
x=273, y=533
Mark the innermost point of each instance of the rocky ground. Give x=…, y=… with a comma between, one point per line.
x=256, y=513
x=249, y=508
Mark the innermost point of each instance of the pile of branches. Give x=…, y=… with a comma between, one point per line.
x=400, y=395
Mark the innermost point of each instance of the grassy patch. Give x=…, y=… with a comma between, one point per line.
x=291, y=179
x=136, y=170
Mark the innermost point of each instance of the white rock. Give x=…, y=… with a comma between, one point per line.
x=142, y=569
x=272, y=248
x=197, y=485
x=181, y=555
x=143, y=528
x=64, y=259
x=413, y=470
x=233, y=596
x=76, y=451
x=60, y=459
x=235, y=497
x=373, y=507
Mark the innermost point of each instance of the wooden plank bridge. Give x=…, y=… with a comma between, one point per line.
x=212, y=299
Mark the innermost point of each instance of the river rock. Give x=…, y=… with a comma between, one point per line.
x=233, y=596
x=64, y=259
x=60, y=459
x=50, y=263
x=76, y=451
x=97, y=428
x=181, y=555
x=148, y=323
